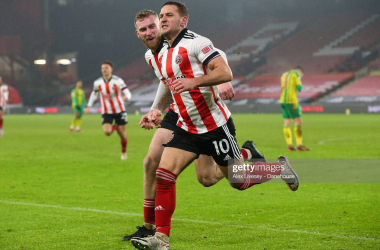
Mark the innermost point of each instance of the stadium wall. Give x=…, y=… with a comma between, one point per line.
x=323, y=108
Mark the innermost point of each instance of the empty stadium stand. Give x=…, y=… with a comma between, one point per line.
x=321, y=45
x=267, y=89
x=365, y=90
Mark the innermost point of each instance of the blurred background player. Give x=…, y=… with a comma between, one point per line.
x=111, y=88
x=290, y=84
x=78, y=102
x=3, y=102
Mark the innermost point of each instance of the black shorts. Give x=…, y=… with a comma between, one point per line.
x=120, y=118
x=219, y=143
x=1, y=108
x=170, y=120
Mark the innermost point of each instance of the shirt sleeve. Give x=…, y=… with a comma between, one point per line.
x=96, y=88
x=84, y=104
x=203, y=49
x=6, y=94
x=73, y=98
x=297, y=79
x=93, y=97
x=298, y=82
x=223, y=55
x=127, y=93
x=160, y=90
x=122, y=84
x=148, y=58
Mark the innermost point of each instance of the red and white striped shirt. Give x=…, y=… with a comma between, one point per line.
x=200, y=110
x=110, y=94
x=4, y=94
x=154, y=60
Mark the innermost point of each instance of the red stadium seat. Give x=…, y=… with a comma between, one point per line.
x=269, y=86
x=367, y=86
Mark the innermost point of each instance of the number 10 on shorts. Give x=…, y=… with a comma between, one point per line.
x=223, y=146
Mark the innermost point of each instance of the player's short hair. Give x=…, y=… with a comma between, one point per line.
x=182, y=9
x=299, y=68
x=109, y=63
x=144, y=14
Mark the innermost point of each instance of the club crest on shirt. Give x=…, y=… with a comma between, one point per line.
x=178, y=59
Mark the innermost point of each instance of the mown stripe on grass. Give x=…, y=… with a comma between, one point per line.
x=194, y=221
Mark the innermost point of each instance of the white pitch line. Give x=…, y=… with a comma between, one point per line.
x=342, y=138
x=328, y=140
x=195, y=221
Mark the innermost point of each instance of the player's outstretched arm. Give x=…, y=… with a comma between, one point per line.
x=160, y=90
x=93, y=97
x=164, y=102
x=74, y=99
x=127, y=95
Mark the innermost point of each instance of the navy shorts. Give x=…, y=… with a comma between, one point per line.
x=120, y=118
x=219, y=143
x=170, y=120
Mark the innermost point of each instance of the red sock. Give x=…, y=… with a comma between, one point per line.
x=149, y=215
x=245, y=154
x=1, y=122
x=165, y=200
x=266, y=170
x=114, y=127
x=124, y=145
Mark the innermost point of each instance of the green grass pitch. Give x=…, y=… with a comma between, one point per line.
x=61, y=190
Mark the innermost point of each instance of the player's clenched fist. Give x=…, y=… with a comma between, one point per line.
x=145, y=123
x=155, y=117
x=87, y=110
x=183, y=84
x=226, y=91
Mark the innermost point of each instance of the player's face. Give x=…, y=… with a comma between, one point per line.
x=106, y=70
x=300, y=72
x=79, y=84
x=171, y=23
x=148, y=31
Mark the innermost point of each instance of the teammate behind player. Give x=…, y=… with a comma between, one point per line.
x=78, y=102
x=191, y=69
x=207, y=171
x=3, y=102
x=111, y=88
x=290, y=84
